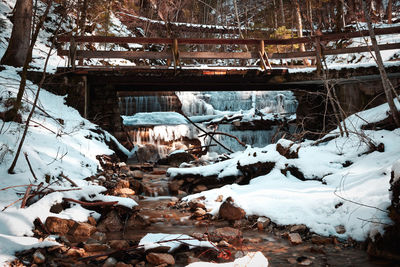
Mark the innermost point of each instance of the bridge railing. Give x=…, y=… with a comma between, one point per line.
x=317, y=45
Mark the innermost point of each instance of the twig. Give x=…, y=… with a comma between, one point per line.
x=358, y=203
x=198, y=127
x=11, y=204
x=370, y=221
x=26, y=196
x=91, y=204
x=226, y=134
x=30, y=166
x=69, y=180
x=41, y=125
x=14, y=186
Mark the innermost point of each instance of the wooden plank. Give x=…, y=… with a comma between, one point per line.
x=168, y=41
x=119, y=54
x=218, y=55
x=308, y=54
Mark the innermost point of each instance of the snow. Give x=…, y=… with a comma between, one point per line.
x=287, y=200
x=174, y=241
x=253, y=259
x=155, y=118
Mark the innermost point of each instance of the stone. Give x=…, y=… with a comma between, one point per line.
x=175, y=159
x=223, y=243
x=57, y=208
x=75, y=252
x=118, y=244
x=295, y=238
x=123, y=264
x=123, y=191
x=200, y=188
x=112, y=223
x=174, y=187
x=94, y=247
x=228, y=234
x=262, y=223
x=110, y=262
x=230, y=211
x=219, y=198
x=137, y=222
x=99, y=236
x=196, y=203
x=76, y=231
x=160, y=258
x=136, y=174
x=123, y=184
x=340, y=229
x=92, y=221
x=38, y=257
x=320, y=240
x=200, y=212
x=299, y=228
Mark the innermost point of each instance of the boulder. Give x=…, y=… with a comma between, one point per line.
x=160, y=258
x=175, y=159
x=112, y=223
x=75, y=231
x=230, y=211
x=295, y=239
x=228, y=234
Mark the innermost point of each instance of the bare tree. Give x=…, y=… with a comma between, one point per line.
x=18, y=46
x=387, y=86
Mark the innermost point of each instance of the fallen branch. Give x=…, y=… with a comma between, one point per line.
x=199, y=147
x=69, y=180
x=30, y=166
x=91, y=204
x=26, y=196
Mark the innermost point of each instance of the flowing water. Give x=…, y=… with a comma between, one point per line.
x=169, y=134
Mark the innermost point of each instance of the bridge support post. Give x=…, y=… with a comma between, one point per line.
x=87, y=97
x=318, y=55
x=264, y=62
x=175, y=53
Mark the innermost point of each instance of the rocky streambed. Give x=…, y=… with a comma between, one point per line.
x=114, y=238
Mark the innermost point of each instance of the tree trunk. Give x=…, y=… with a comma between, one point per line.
x=18, y=46
x=389, y=12
x=339, y=15
x=282, y=13
x=299, y=25
x=387, y=86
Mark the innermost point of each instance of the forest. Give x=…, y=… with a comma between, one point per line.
x=199, y=133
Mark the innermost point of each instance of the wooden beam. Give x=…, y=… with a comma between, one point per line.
x=169, y=41
x=218, y=55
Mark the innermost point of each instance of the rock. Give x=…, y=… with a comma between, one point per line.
x=200, y=188
x=219, y=198
x=160, y=258
x=228, y=234
x=175, y=159
x=262, y=223
x=118, y=244
x=223, y=243
x=92, y=221
x=123, y=191
x=137, y=222
x=230, y=211
x=75, y=252
x=174, y=186
x=200, y=212
x=94, y=247
x=320, y=240
x=123, y=264
x=340, y=229
x=196, y=203
x=110, y=262
x=300, y=228
x=295, y=239
x=38, y=257
x=112, y=223
x=57, y=208
x=75, y=231
x=136, y=174
x=123, y=184
x=192, y=259
x=304, y=261
x=99, y=236
x=288, y=149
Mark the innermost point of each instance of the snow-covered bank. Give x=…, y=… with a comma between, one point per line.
x=59, y=143
x=349, y=180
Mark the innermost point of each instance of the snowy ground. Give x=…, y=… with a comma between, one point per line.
x=320, y=205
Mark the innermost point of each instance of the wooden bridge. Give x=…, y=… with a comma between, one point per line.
x=180, y=52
